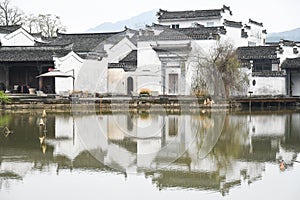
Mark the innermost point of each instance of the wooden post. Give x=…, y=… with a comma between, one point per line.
x=40, y=79
x=40, y=83
x=250, y=92
x=6, y=69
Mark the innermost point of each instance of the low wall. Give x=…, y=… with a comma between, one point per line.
x=268, y=86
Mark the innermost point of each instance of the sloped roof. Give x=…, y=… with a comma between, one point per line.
x=189, y=14
x=291, y=63
x=256, y=23
x=192, y=14
x=257, y=52
x=289, y=43
x=232, y=23
x=83, y=42
x=128, y=63
x=130, y=58
x=196, y=33
x=9, y=29
x=31, y=53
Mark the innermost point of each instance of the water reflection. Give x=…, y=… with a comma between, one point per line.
x=214, y=152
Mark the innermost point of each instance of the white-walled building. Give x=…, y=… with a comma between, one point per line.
x=163, y=61
x=159, y=58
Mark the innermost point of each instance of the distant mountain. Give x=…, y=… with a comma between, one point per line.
x=135, y=22
x=149, y=17
x=293, y=35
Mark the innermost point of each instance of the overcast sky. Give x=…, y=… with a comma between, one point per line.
x=79, y=16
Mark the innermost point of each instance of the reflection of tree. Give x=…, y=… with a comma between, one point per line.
x=230, y=143
x=220, y=145
x=208, y=131
x=4, y=120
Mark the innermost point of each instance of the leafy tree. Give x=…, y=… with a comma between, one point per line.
x=10, y=15
x=219, y=71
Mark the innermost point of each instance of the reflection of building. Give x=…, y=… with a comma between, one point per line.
x=176, y=145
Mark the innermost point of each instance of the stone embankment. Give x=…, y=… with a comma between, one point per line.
x=53, y=102
x=112, y=103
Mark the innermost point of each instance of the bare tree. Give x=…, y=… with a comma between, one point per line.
x=50, y=24
x=47, y=24
x=31, y=24
x=218, y=72
x=10, y=15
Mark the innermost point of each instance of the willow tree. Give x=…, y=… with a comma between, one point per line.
x=218, y=71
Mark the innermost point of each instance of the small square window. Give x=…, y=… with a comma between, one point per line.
x=175, y=26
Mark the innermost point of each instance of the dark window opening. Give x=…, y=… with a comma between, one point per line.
x=262, y=65
x=175, y=26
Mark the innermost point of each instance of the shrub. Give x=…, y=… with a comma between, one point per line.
x=4, y=98
x=145, y=91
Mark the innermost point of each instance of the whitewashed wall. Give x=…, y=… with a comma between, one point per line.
x=148, y=73
x=268, y=86
x=287, y=53
x=116, y=81
x=117, y=77
x=189, y=23
x=17, y=38
x=233, y=35
x=255, y=34
x=120, y=50
x=92, y=76
x=66, y=64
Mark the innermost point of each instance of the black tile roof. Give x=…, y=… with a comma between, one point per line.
x=154, y=25
x=83, y=42
x=130, y=58
x=257, y=52
x=31, y=53
x=255, y=22
x=197, y=33
x=246, y=26
x=192, y=14
x=232, y=23
x=291, y=63
x=180, y=50
x=9, y=29
x=284, y=42
x=128, y=63
x=189, y=14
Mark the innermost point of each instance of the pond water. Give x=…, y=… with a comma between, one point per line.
x=150, y=155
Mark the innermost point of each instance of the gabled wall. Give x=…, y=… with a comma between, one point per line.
x=255, y=34
x=19, y=37
x=117, y=77
x=67, y=64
